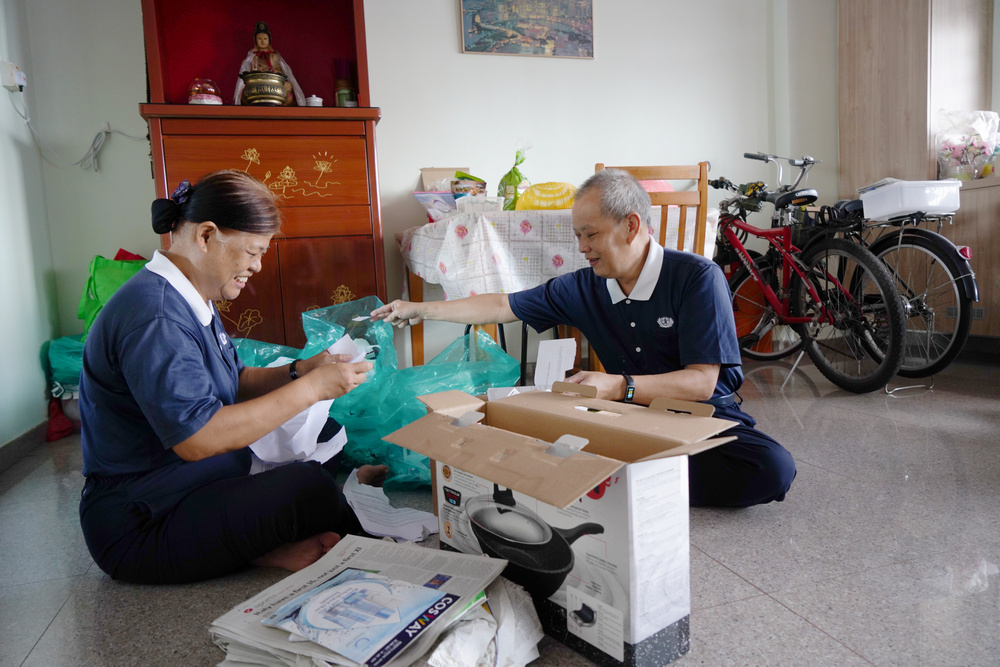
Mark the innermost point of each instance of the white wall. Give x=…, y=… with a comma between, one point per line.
x=88, y=68
x=26, y=268
x=672, y=82
x=85, y=66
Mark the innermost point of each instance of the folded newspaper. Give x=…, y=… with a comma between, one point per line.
x=369, y=602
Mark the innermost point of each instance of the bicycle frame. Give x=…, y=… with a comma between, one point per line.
x=780, y=239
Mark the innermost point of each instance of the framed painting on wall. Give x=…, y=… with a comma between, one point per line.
x=559, y=28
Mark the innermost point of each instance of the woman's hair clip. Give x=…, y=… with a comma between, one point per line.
x=181, y=194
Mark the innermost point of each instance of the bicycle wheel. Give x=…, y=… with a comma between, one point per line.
x=761, y=335
x=861, y=349
x=938, y=315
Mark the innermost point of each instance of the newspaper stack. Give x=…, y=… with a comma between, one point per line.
x=381, y=604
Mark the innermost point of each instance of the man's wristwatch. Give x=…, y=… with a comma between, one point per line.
x=292, y=373
x=629, y=388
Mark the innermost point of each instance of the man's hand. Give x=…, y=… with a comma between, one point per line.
x=610, y=387
x=399, y=313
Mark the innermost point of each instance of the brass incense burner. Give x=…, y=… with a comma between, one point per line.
x=265, y=88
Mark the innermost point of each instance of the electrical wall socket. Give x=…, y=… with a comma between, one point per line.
x=11, y=77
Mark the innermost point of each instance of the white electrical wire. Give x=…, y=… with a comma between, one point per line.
x=90, y=158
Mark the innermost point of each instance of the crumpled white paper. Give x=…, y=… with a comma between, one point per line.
x=295, y=440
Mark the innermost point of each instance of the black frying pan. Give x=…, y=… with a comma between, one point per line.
x=538, y=556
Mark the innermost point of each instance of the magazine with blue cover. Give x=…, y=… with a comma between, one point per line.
x=363, y=616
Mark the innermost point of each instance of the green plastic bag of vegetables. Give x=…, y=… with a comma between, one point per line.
x=510, y=182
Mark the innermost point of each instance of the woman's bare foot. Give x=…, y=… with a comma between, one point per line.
x=372, y=475
x=296, y=555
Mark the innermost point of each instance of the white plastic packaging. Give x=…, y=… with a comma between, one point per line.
x=897, y=198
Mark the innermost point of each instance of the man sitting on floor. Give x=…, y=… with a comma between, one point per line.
x=661, y=322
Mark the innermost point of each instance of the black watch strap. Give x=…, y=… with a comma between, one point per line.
x=629, y=387
x=292, y=373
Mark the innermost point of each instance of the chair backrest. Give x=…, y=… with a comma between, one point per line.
x=685, y=199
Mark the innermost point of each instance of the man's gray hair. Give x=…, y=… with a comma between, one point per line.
x=621, y=194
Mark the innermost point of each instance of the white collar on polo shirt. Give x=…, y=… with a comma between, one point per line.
x=163, y=267
x=650, y=273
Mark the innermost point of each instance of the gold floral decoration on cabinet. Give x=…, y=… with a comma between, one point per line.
x=342, y=294
x=287, y=182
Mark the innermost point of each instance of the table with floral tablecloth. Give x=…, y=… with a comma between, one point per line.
x=503, y=251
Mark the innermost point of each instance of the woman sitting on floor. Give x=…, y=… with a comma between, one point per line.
x=168, y=410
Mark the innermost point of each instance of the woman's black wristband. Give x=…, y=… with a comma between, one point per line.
x=292, y=373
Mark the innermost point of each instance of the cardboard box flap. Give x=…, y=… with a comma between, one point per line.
x=691, y=448
x=453, y=403
x=682, y=407
x=621, y=431
x=587, y=390
x=515, y=461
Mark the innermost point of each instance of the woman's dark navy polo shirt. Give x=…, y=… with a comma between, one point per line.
x=153, y=375
x=679, y=313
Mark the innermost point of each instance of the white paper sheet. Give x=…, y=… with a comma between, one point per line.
x=295, y=440
x=555, y=357
x=379, y=517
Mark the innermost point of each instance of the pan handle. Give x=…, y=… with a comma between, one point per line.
x=571, y=534
x=505, y=497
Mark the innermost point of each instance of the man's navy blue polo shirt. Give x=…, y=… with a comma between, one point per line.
x=679, y=313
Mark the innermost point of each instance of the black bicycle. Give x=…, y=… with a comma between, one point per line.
x=933, y=276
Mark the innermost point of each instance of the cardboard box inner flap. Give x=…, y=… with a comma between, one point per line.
x=511, y=460
x=623, y=431
x=513, y=448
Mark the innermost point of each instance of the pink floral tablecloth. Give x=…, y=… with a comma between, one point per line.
x=502, y=252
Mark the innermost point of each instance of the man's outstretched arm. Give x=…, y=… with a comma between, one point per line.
x=479, y=309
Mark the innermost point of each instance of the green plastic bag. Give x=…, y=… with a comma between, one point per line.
x=65, y=362
x=106, y=276
x=472, y=363
x=358, y=410
x=324, y=327
x=510, y=182
x=387, y=400
x=261, y=355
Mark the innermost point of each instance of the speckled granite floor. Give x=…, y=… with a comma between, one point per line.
x=885, y=551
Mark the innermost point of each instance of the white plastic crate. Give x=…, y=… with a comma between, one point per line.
x=898, y=198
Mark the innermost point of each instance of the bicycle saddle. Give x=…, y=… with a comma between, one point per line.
x=796, y=198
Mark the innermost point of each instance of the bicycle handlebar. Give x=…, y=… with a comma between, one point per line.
x=803, y=163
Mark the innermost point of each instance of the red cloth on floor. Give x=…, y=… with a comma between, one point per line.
x=59, y=424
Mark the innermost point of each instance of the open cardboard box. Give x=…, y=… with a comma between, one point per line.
x=428, y=175
x=598, y=535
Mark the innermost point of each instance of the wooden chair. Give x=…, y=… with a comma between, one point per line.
x=684, y=199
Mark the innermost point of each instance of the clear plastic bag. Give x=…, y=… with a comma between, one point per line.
x=965, y=143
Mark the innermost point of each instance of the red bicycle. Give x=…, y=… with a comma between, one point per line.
x=831, y=297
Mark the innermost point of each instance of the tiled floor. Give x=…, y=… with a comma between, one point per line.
x=885, y=551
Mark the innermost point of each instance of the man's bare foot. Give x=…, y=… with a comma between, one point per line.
x=296, y=555
x=372, y=475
